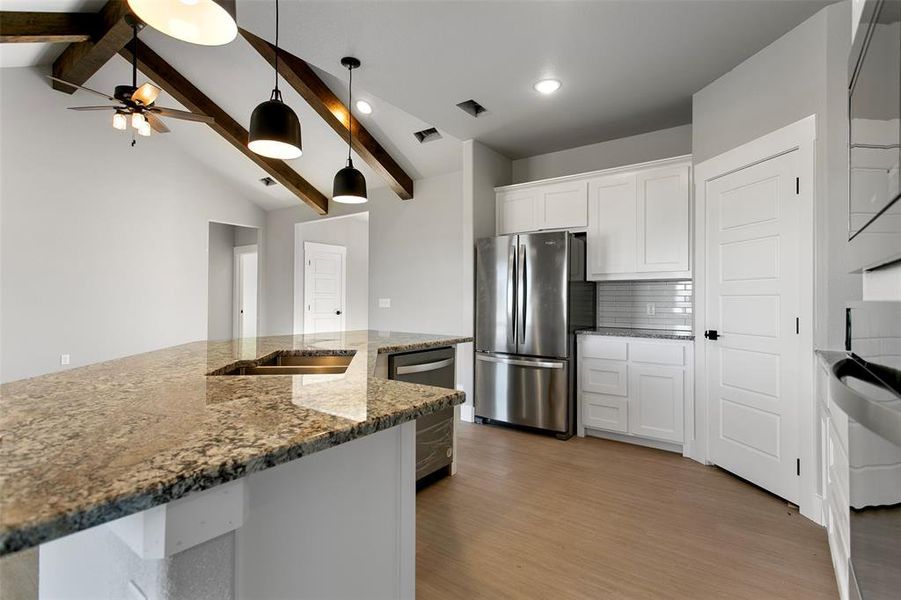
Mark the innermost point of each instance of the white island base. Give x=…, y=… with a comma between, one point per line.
x=339, y=523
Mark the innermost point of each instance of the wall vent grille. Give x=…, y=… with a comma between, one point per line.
x=267, y=181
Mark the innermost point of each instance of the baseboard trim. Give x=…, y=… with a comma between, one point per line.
x=631, y=439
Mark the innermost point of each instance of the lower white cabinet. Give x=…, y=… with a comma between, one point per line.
x=634, y=386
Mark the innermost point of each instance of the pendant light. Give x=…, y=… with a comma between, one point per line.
x=350, y=185
x=274, y=127
x=204, y=22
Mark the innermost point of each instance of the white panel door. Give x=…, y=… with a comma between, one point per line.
x=663, y=213
x=611, y=225
x=657, y=396
x=245, y=291
x=517, y=211
x=753, y=268
x=324, y=287
x=563, y=205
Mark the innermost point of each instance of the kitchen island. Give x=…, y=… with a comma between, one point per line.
x=180, y=473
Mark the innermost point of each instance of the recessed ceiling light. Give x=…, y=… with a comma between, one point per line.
x=547, y=86
x=364, y=107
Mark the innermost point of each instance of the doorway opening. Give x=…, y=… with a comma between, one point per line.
x=331, y=274
x=234, y=282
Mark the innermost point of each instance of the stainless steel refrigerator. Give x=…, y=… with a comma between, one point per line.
x=531, y=295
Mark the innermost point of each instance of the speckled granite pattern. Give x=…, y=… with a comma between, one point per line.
x=82, y=447
x=657, y=334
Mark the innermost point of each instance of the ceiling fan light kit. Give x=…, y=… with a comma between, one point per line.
x=274, y=126
x=203, y=22
x=349, y=186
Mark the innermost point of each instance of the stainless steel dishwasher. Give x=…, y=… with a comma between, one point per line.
x=434, y=432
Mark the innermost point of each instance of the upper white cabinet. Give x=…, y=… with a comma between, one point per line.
x=637, y=219
x=561, y=205
x=639, y=224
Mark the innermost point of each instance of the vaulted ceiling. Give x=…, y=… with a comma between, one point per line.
x=627, y=67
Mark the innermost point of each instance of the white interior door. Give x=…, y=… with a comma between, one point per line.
x=246, y=291
x=752, y=301
x=324, y=287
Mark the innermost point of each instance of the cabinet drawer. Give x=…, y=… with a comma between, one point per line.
x=605, y=412
x=604, y=377
x=593, y=346
x=658, y=354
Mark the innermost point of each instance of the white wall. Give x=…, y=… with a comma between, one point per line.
x=102, y=246
x=221, y=277
x=801, y=73
x=352, y=232
x=655, y=145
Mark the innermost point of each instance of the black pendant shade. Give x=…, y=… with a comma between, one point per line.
x=349, y=186
x=275, y=129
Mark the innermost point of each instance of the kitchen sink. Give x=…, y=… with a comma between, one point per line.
x=290, y=363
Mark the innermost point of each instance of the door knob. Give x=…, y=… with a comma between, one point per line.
x=337, y=312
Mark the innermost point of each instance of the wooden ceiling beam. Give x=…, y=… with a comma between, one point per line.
x=164, y=75
x=29, y=27
x=300, y=76
x=79, y=61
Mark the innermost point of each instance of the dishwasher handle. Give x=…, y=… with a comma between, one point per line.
x=425, y=367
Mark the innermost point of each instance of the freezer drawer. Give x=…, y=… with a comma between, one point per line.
x=523, y=391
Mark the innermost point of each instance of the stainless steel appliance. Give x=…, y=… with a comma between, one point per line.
x=531, y=295
x=866, y=384
x=874, y=208
x=434, y=432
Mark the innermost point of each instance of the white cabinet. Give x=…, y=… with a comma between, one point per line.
x=634, y=386
x=611, y=236
x=639, y=224
x=535, y=207
x=517, y=211
x=657, y=400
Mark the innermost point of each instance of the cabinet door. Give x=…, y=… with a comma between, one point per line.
x=516, y=211
x=663, y=215
x=563, y=205
x=656, y=396
x=611, y=225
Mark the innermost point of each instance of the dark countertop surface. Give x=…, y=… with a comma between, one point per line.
x=85, y=446
x=658, y=334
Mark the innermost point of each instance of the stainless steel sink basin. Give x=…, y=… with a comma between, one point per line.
x=291, y=364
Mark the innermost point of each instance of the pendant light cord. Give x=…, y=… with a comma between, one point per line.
x=134, y=55
x=276, y=45
x=350, y=111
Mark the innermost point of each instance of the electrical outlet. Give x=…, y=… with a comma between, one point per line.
x=384, y=302
x=63, y=359
x=651, y=309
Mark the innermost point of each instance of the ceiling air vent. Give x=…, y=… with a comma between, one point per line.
x=267, y=181
x=471, y=108
x=427, y=135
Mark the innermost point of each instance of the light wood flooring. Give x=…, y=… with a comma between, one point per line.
x=529, y=516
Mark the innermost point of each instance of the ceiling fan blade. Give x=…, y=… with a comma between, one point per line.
x=81, y=87
x=156, y=123
x=93, y=107
x=146, y=94
x=181, y=114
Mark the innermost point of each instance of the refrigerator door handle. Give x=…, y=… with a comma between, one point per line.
x=536, y=364
x=511, y=295
x=521, y=295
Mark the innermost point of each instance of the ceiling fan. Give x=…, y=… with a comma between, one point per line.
x=137, y=103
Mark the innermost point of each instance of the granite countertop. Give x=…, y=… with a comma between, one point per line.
x=657, y=334
x=89, y=445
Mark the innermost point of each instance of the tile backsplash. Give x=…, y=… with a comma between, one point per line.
x=625, y=304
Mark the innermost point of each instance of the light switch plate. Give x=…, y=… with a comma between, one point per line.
x=384, y=302
x=63, y=359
